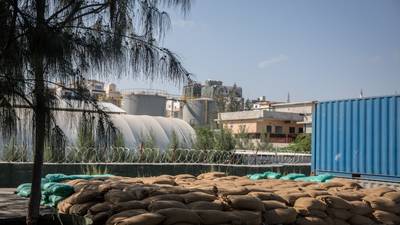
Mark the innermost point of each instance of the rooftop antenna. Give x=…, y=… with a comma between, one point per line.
x=288, y=97
x=361, y=93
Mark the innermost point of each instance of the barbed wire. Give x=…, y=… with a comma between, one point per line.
x=153, y=155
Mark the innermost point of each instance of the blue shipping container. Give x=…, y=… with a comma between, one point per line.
x=357, y=138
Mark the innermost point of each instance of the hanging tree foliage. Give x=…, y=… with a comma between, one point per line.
x=54, y=43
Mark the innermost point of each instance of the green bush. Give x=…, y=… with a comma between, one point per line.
x=302, y=143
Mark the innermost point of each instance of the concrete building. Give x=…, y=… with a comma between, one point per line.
x=112, y=94
x=173, y=108
x=303, y=108
x=280, y=127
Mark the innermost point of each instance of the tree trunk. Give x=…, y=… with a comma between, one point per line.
x=39, y=114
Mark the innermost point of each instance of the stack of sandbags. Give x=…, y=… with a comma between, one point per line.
x=311, y=209
x=385, y=203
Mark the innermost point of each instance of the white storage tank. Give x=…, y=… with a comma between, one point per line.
x=144, y=104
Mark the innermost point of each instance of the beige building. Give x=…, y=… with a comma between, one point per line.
x=280, y=127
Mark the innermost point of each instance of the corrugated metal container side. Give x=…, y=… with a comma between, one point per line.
x=358, y=138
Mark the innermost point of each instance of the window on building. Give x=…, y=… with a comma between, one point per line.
x=269, y=129
x=278, y=130
x=301, y=130
x=292, y=130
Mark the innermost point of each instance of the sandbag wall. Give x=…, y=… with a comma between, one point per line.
x=216, y=199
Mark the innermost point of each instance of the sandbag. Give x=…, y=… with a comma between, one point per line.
x=310, y=220
x=309, y=204
x=361, y=220
x=143, y=219
x=379, y=191
x=280, y=216
x=197, y=196
x=83, y=196
x=265, y=196
x=63, y=207
x=291, y=198
x=233, y=191
x=99, y=218
x=157, y=205
x=173, y=216
x=342, y=214
x=350, y=196
x=80, y=209
x=394, y=196
x=248, y=217
x=386, y=217
x=312, y=212
x=134, y=204
x=169, y=190
x=272, y=204
x=114, y=219
x=361, y=208
x=316, y=193
x=172, y=197
x=382, y=203
x=214, y=217
x=245, y=202
x=335, y=202
x=203, y=205
x=100, y=207
x=184, y=176
x=116, y=196
x=339, y=222
x=211, y=175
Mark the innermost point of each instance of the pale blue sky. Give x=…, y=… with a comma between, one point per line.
x=314, y=49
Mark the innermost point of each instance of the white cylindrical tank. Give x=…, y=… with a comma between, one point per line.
x=144, y=104
x=200, y=111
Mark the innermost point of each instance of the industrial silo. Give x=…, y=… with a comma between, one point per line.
x=144, y=104
x=200, y=111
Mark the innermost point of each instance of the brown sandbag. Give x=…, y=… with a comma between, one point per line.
x=386, y=217
x=310, y=204
x=253, y=188
x=134, y=204
x=265, y=196
x=115, y=196
x=100, y=207
x=158, y=205
x=203, y=205
x=379, y=191
x=245, y=202
x=291, y=198
x=211, y=175
x=174, y=215
x=80, y=209
x=394, y=196
x=350, y=196
x=310, y=220
x=248, y=217
x=161, y=180
x=280, y=216
x=214, y=217
x=361, y=208
x=272, y=204
x=169, y=190
x=225, y=191
x=312, y=213
x=172, y=197
x=342, y=214
x=339, y=222
x=114, y=219
x=184, y=176
x=331, y=184
x=382, y=203
x=63, y=207
x=335, y=202
x=197, y=196
x=103, y=188
x=143, y=219
x=99, y=218
x=316, y=193
x=361, y=220
x=83, y=196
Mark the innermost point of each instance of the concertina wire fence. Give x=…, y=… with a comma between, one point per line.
x=151, y=155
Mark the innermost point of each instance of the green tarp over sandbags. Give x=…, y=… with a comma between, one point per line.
x=320, y=178
x=292, y=176
x=265, y=175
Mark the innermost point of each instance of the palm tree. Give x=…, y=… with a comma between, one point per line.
x=45, y=43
